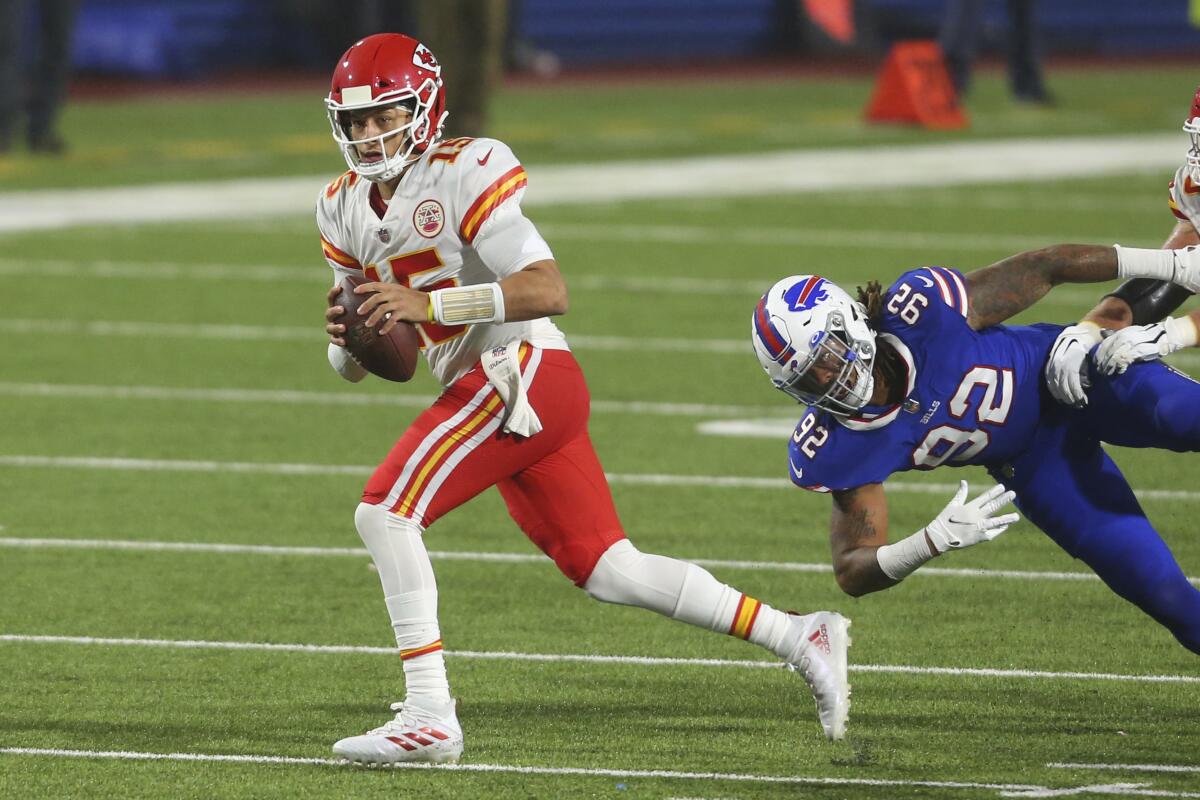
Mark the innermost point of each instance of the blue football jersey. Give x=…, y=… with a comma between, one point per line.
x=973, y=396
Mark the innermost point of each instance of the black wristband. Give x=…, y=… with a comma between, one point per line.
x=1150, y=300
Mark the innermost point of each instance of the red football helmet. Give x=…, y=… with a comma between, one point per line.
x=1192, y=126
x=387, y=69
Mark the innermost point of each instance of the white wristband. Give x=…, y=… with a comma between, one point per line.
x=901, y=559
x=1140, y=262
x=468, y=305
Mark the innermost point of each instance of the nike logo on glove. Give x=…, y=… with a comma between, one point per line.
x=483, y=161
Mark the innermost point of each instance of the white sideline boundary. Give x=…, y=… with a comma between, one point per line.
x=615, y=478
x=509, y=558
x=763, y=173
x=576, y=658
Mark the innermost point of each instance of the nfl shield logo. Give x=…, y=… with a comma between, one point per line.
x=384, y=235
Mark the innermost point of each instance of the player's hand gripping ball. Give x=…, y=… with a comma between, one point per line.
x=392, y=356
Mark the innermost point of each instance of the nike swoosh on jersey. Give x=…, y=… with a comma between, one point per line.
x=928, y=283
x=799, y=473
x=483, y=161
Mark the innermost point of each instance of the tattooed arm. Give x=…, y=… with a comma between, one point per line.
x=1010, y=286
x=857, y=530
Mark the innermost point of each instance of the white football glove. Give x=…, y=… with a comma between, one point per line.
x=1187, y=268
x=964, y=524
x=1066, y=371
x=1144, y=343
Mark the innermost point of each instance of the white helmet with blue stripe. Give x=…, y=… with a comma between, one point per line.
x=814, y=342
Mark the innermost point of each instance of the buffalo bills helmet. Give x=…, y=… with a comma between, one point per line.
x=814, y=342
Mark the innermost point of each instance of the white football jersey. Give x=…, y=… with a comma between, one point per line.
x=451, y=222
x=1184, y=197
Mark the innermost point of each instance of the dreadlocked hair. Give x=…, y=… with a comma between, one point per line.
x=890, y=364
x=872, y=300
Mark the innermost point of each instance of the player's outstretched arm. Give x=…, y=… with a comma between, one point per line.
x=864, y=562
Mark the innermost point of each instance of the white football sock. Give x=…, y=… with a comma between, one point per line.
x=410, y=592
x=688, y=593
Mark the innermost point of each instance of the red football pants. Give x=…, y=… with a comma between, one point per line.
x=552, y=481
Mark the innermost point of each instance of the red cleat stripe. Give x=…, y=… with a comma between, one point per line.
x=401, y=742
x=435, y=733
x=419, y=739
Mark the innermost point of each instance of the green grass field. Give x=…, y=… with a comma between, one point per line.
x=164, y=389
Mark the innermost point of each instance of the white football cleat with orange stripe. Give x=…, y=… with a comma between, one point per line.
x=821, y=658
x=413, y=736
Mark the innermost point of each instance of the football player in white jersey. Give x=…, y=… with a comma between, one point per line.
x=437, y=226
x=1138, y=307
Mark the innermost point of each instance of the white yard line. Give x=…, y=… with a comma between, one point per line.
x=1003, y=789
x=526, y=770
x=316, y=275
x=312, y=334
x=1127, y=767
x=496, y=655
x=627, y=479
x=350, y=398
x=942, y=164
x=511, y=558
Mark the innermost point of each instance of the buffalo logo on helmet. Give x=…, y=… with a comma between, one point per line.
x=804, y=295
x=429, y=218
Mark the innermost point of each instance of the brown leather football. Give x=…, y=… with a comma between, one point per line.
x=393, y=356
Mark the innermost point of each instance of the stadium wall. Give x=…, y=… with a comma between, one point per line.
x=195, y=38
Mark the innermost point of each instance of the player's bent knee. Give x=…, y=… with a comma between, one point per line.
x=609, y=579
x=626, y=576
x=371, y=521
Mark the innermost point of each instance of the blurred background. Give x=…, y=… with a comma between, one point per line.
x=108, y=81
x=201, y=39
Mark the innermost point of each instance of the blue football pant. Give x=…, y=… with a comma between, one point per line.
x=1068, y=486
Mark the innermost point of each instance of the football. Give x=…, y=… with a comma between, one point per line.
x=393, y=356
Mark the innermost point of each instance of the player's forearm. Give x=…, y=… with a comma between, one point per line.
x=1010, y=286
x=536, y=291
x=858, y=572
x=1111, y=312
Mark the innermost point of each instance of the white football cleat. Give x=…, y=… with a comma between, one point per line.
x=415, y=735
x=820, y=658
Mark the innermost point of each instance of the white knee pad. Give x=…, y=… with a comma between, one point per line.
x=626, y=576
